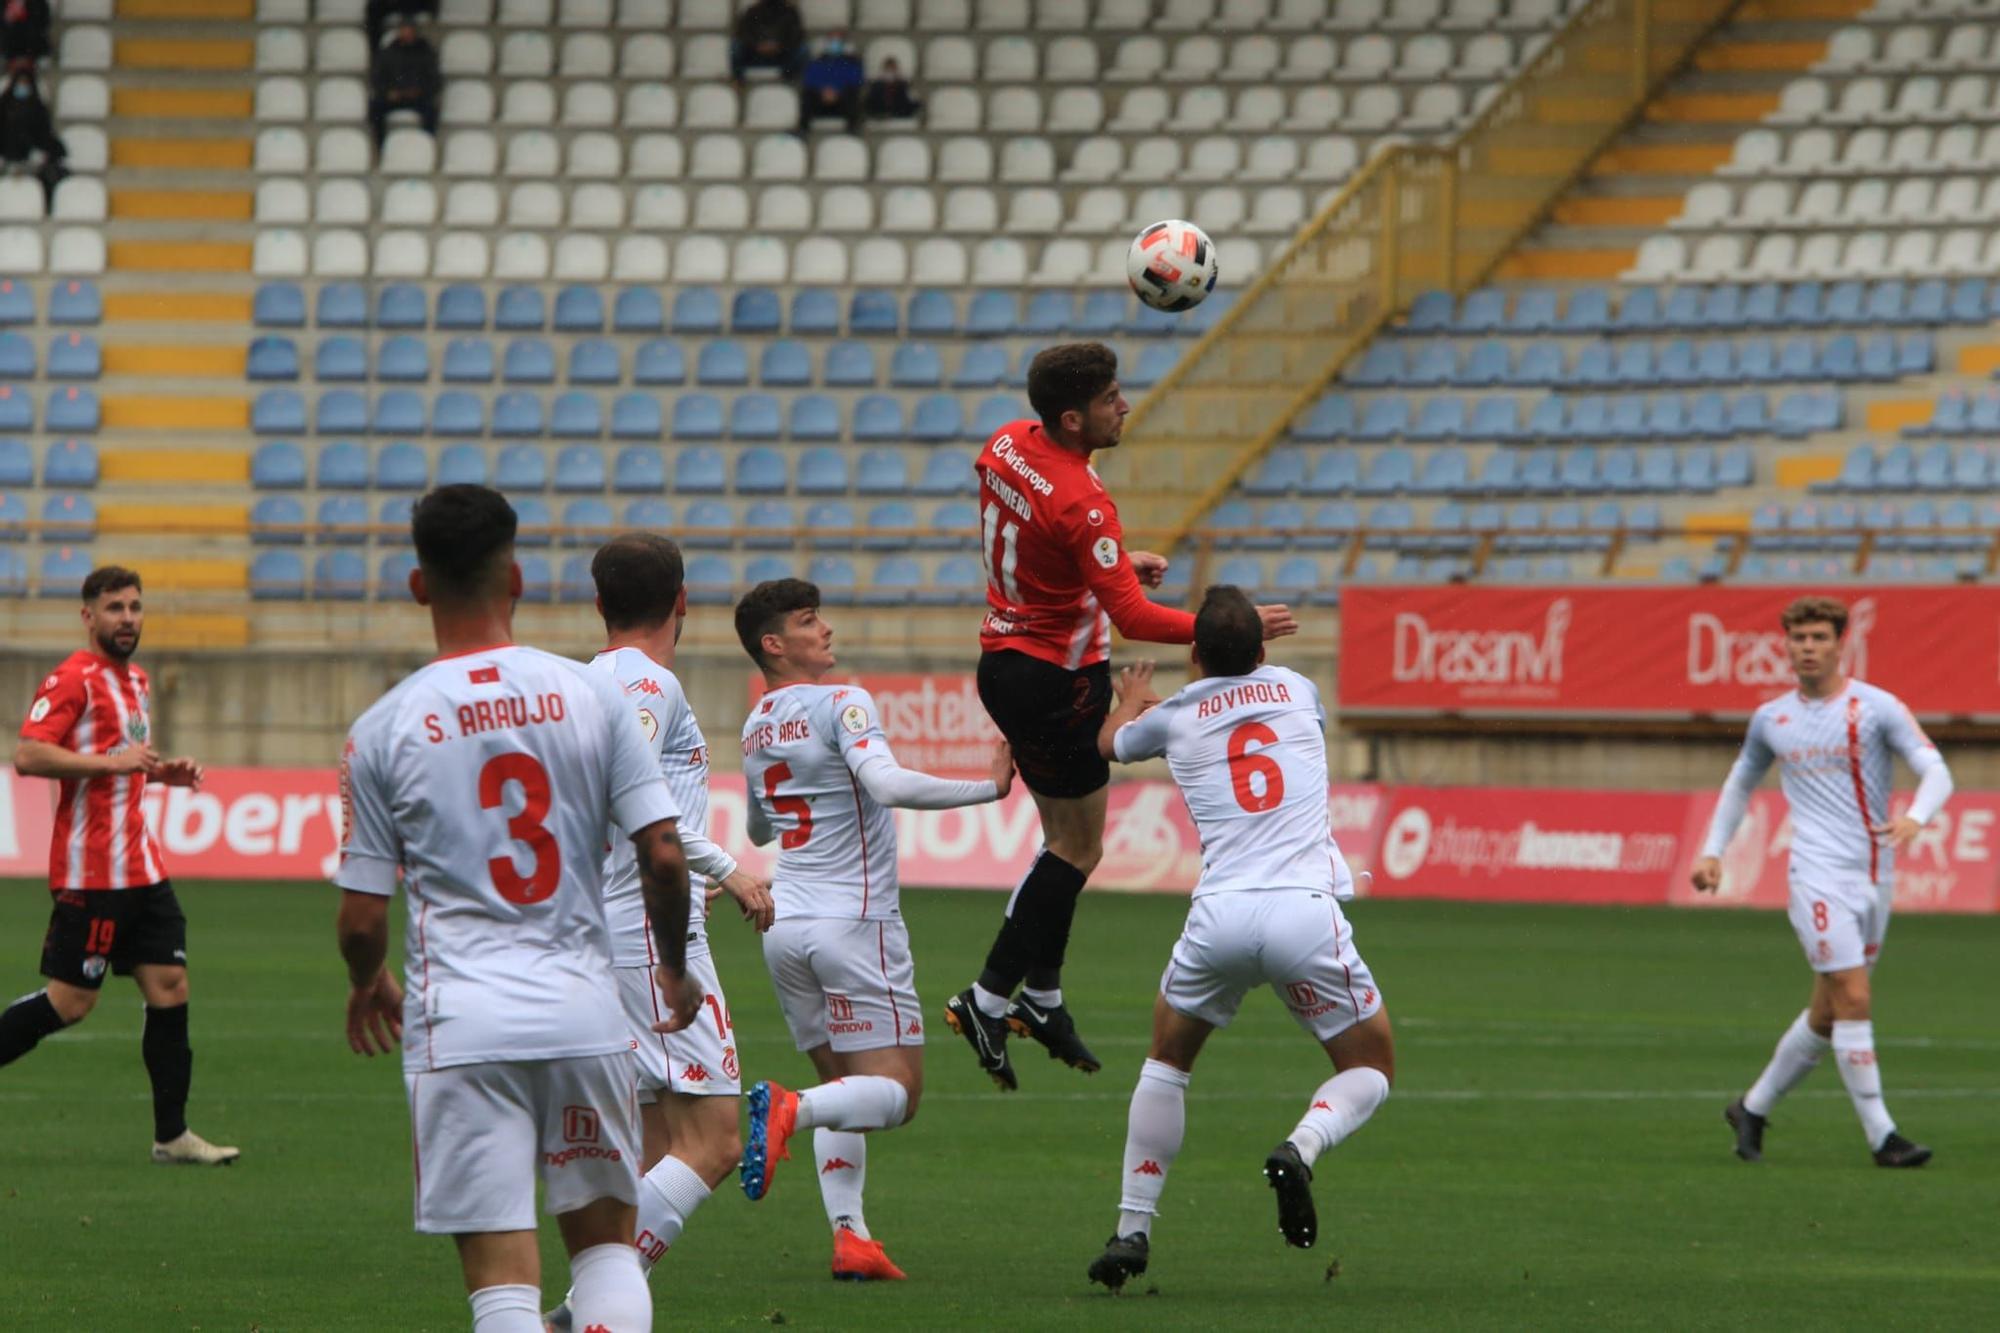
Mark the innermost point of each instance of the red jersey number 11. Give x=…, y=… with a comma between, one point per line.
x=999, y=549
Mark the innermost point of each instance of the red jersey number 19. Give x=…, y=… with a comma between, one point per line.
x=525, y=828
x=999, y=549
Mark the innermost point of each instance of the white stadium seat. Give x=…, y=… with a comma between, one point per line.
x=402, y=254
x=702, y=255
x=771, y=106
x=760, y=259
x=819, y=261
x=281, y=98
x=953, y=109
x=528, y=102
x=938, y=263
x=1280, y=210
x=1036, y=210
x=781, y=157
x=471, y=153
x=1138, y=60
x=660, y=207
x=1154, y=159
x=650, y=106
x=1140, y=110
x=81, y=97
x=646, y=56
x=1221, y=207
x=465, y=53
x=535, y=204
x=1075, y=111
x=910, y=210
x=342, y=99
x=639, y=259
x=526, y=13
x=408, y=152
x=951, y=60
x=526, y=55
x=339, y=254
x=1063, y=263
x=1071, y=60
x=1201, y=109
x=1272, y=158
x=944, y=15
x=585, y=55
x=532, y=153
x=278, y=51
x=280, y=151
x=965, y=159
x=20, y=250
x=879, y=261
x=521, y=257
x=1257, y=109
x=790, y=207
x=410, y=203
x=472, y=204
x=1097, y=158
x=21, y=199
x=1332, y=158
x=1214, y=158
x=705, y=58
x=970, y=209
x=1010, y=60
x=1014, y=110
x=340, y=51
x=1027, y=161
x=1195, y=59
x=596, y=206
x=466, y=102
x=282, y=201
x=1310, y=58
x=716, y=157
x=711, y=107
x=1002, y=16
x=1316, y=109
x=655, y=157
x=581, y=259
x=341, y=202
x=901, y=157
x=276, y=253
x=1253, y=59
x=589, y=106
x=1098, y=209
x=1183, y=15
x=721, y=208
x=594, y=155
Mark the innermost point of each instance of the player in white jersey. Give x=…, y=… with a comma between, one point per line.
x=688, y=1080
x=821, y=780
x=1834, y=741
x=1246, y=744
x=488, y=782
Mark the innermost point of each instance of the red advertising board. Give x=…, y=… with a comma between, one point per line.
x=1612, y=651
x=934, y=721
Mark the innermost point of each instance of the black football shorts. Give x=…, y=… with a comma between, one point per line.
x=95, y=931
x=1051, y=717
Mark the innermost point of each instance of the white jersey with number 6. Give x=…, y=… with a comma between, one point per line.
x=493, y=780
x=802, y=746
x=1249, y=755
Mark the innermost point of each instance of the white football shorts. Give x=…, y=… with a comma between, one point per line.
x=483, y=1133
x=700, y=1059
x=1293, y=940
x=850, y=984
x=1840, y=928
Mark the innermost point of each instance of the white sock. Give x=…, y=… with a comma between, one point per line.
x=842, y=1158
x=860, y=1101
x=993, y=1006
x=1341, y=1106
x=1798, y=1053
x=509, y=1309
x=608, y=1290
x=1048, y=999
x=668, y=1196
x=1854, y=1051
x=1154, y=1128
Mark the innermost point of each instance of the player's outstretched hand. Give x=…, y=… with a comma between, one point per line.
x=1707, y=876
x=1278, y=621
x=375, y=1015
x=1135, y=684
x=1001, y=770
x=682, y=994
x=1151, y=569
x=1899, y=832
x=179, y=773
x=753, y=897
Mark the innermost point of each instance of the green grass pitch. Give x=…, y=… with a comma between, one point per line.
x=1554, y=1155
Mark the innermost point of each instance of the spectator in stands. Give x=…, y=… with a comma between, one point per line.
x=769, y=35
x=406, y=79
x=24, y=29
x=380, y=12
x=830, y=86
x=26, y=129
x=889, y=94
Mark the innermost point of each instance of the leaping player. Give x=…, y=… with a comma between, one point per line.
x=1834, y=740
x=1246, y=744
x=1058, y=577
x=822, y=780
x=688, y=1080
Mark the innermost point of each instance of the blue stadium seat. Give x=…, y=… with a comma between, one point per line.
x=272, y=412
x=1496, y=417
x=1155, y=361
x=278, y=465
x=17, y=357
x=579, y=467
x=755, y=416
x=893, y=582
x=946, y=472
x=1684, y=308
x=1019, y=379
x=339, y=412
x=931, y=314
x=706, y=523
x=815, y=312
x=877, y=416
x=535, y=523
x=272, y=358
x=399, y=412
x=814, y=416
x=401, y=305
x=870, y=311
x=1434, y=365
x=1487, y=364
x=594, y=361
x=760, y=471
x=636, y=310
x=519, y=310
x=1483, y=311
x=1431, y=312
x=341, y=305
x=699, y=472
x=709, y=580
x=341, y=466
x=915, y=366
x=70, y=411
x=1972, y=470
x=341, y=520
x=755, y=310
x=1444, y=471
x=848, y=365
x=822, y=471
x=830, y=525
x=461, y=306
x=576, y=416
x=1539, y=471
x=1734, y=468
x=579, y=310
x=1241, y=571
x=277, y=576
x=1390, y=471
x=1934, y=468
x=586, y=522
x=784, y=363
x=277, y=305
x=835, y=576
x=1146, y=322
x=957, y=581
x=462, y=465
x=13, y=517
x=403, y=359
x=952, y=524
x=993, y=412
x=468, y=361
x=937, y=418
x=766, y=569
x=659, y=361
x=574, y=583
x=17, y=409
x=457, y=413
x=528, y=361
x=277, y=520
x=1535, y=311
x=1048, y=313
x=639, y=471
x=76, y=301
x=993, y=314
x=521, y=467
x=1588, y=311
x=537, y=580
x=768, y=526
x=649, y=515
x=340, y=359
x=1441, y=419
x=517, y=415
x=1386, y=418
x=74, y=356
x=891, y=526
x=17, y=464
x=1632, y=365
x=722, y=361
x=1331, y=472
x=63, y=569
x=697, y=310
x=1279, y=472
x=882, y=472
x=392, y=576
x=636, y=416
x=1384, y=363
x=1101, y=314
x=1500, y=474
x=1331, y=418
x=401, y=466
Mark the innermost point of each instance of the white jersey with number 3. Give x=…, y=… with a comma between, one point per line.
x=1249, y=755
x=802, y=746
x=494, y=780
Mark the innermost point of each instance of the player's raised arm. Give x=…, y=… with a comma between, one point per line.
x=865, y=748
x=1934, y=782
x=1135, y=697
x=1751, y=764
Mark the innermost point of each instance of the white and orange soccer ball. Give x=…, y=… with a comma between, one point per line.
x=1171, y=265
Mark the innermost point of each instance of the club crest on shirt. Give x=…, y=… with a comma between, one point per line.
x=855, y=718
x=136, y=729
x=40, y=709
x=1105, y=550
x=1095, y=518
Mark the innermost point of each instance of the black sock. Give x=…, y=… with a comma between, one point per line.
x=1035, y=934
x=24, y=1023
x=170, y=1064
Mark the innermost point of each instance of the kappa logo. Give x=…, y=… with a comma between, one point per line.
x=1301, y=994
x=1321, y=1106
x=767, y=706
x=915, y=1029
x=1825, y=951
x=1784, y=718
x=694, y=1074
x=839, y=1008
x=579, y=1124
x=1367, y=997
x=1149, y=1167
x=837, y=1164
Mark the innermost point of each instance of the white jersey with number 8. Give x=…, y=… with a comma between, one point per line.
x=493, y=780
x=1249, y=755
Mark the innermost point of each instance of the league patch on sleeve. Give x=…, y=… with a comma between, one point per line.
x=649, y=724
x=855, y=718
x=40, y=709
x=1105, y=550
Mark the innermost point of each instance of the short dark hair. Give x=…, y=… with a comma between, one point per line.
x=460, y=533
x=109, y=578
x=1807, y=610
x=638, y=577
x=764, y=608
x=1228, y=633
x=1067, y=377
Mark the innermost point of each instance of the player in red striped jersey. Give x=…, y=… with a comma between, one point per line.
x=90, y=730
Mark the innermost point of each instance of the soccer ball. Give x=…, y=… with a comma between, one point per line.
x=1171, y=265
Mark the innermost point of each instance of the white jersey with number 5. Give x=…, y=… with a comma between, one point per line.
x=494, y=780
x=1249, y=755
x=802, y=746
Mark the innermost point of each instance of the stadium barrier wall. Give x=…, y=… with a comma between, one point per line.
x=1461, y=843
